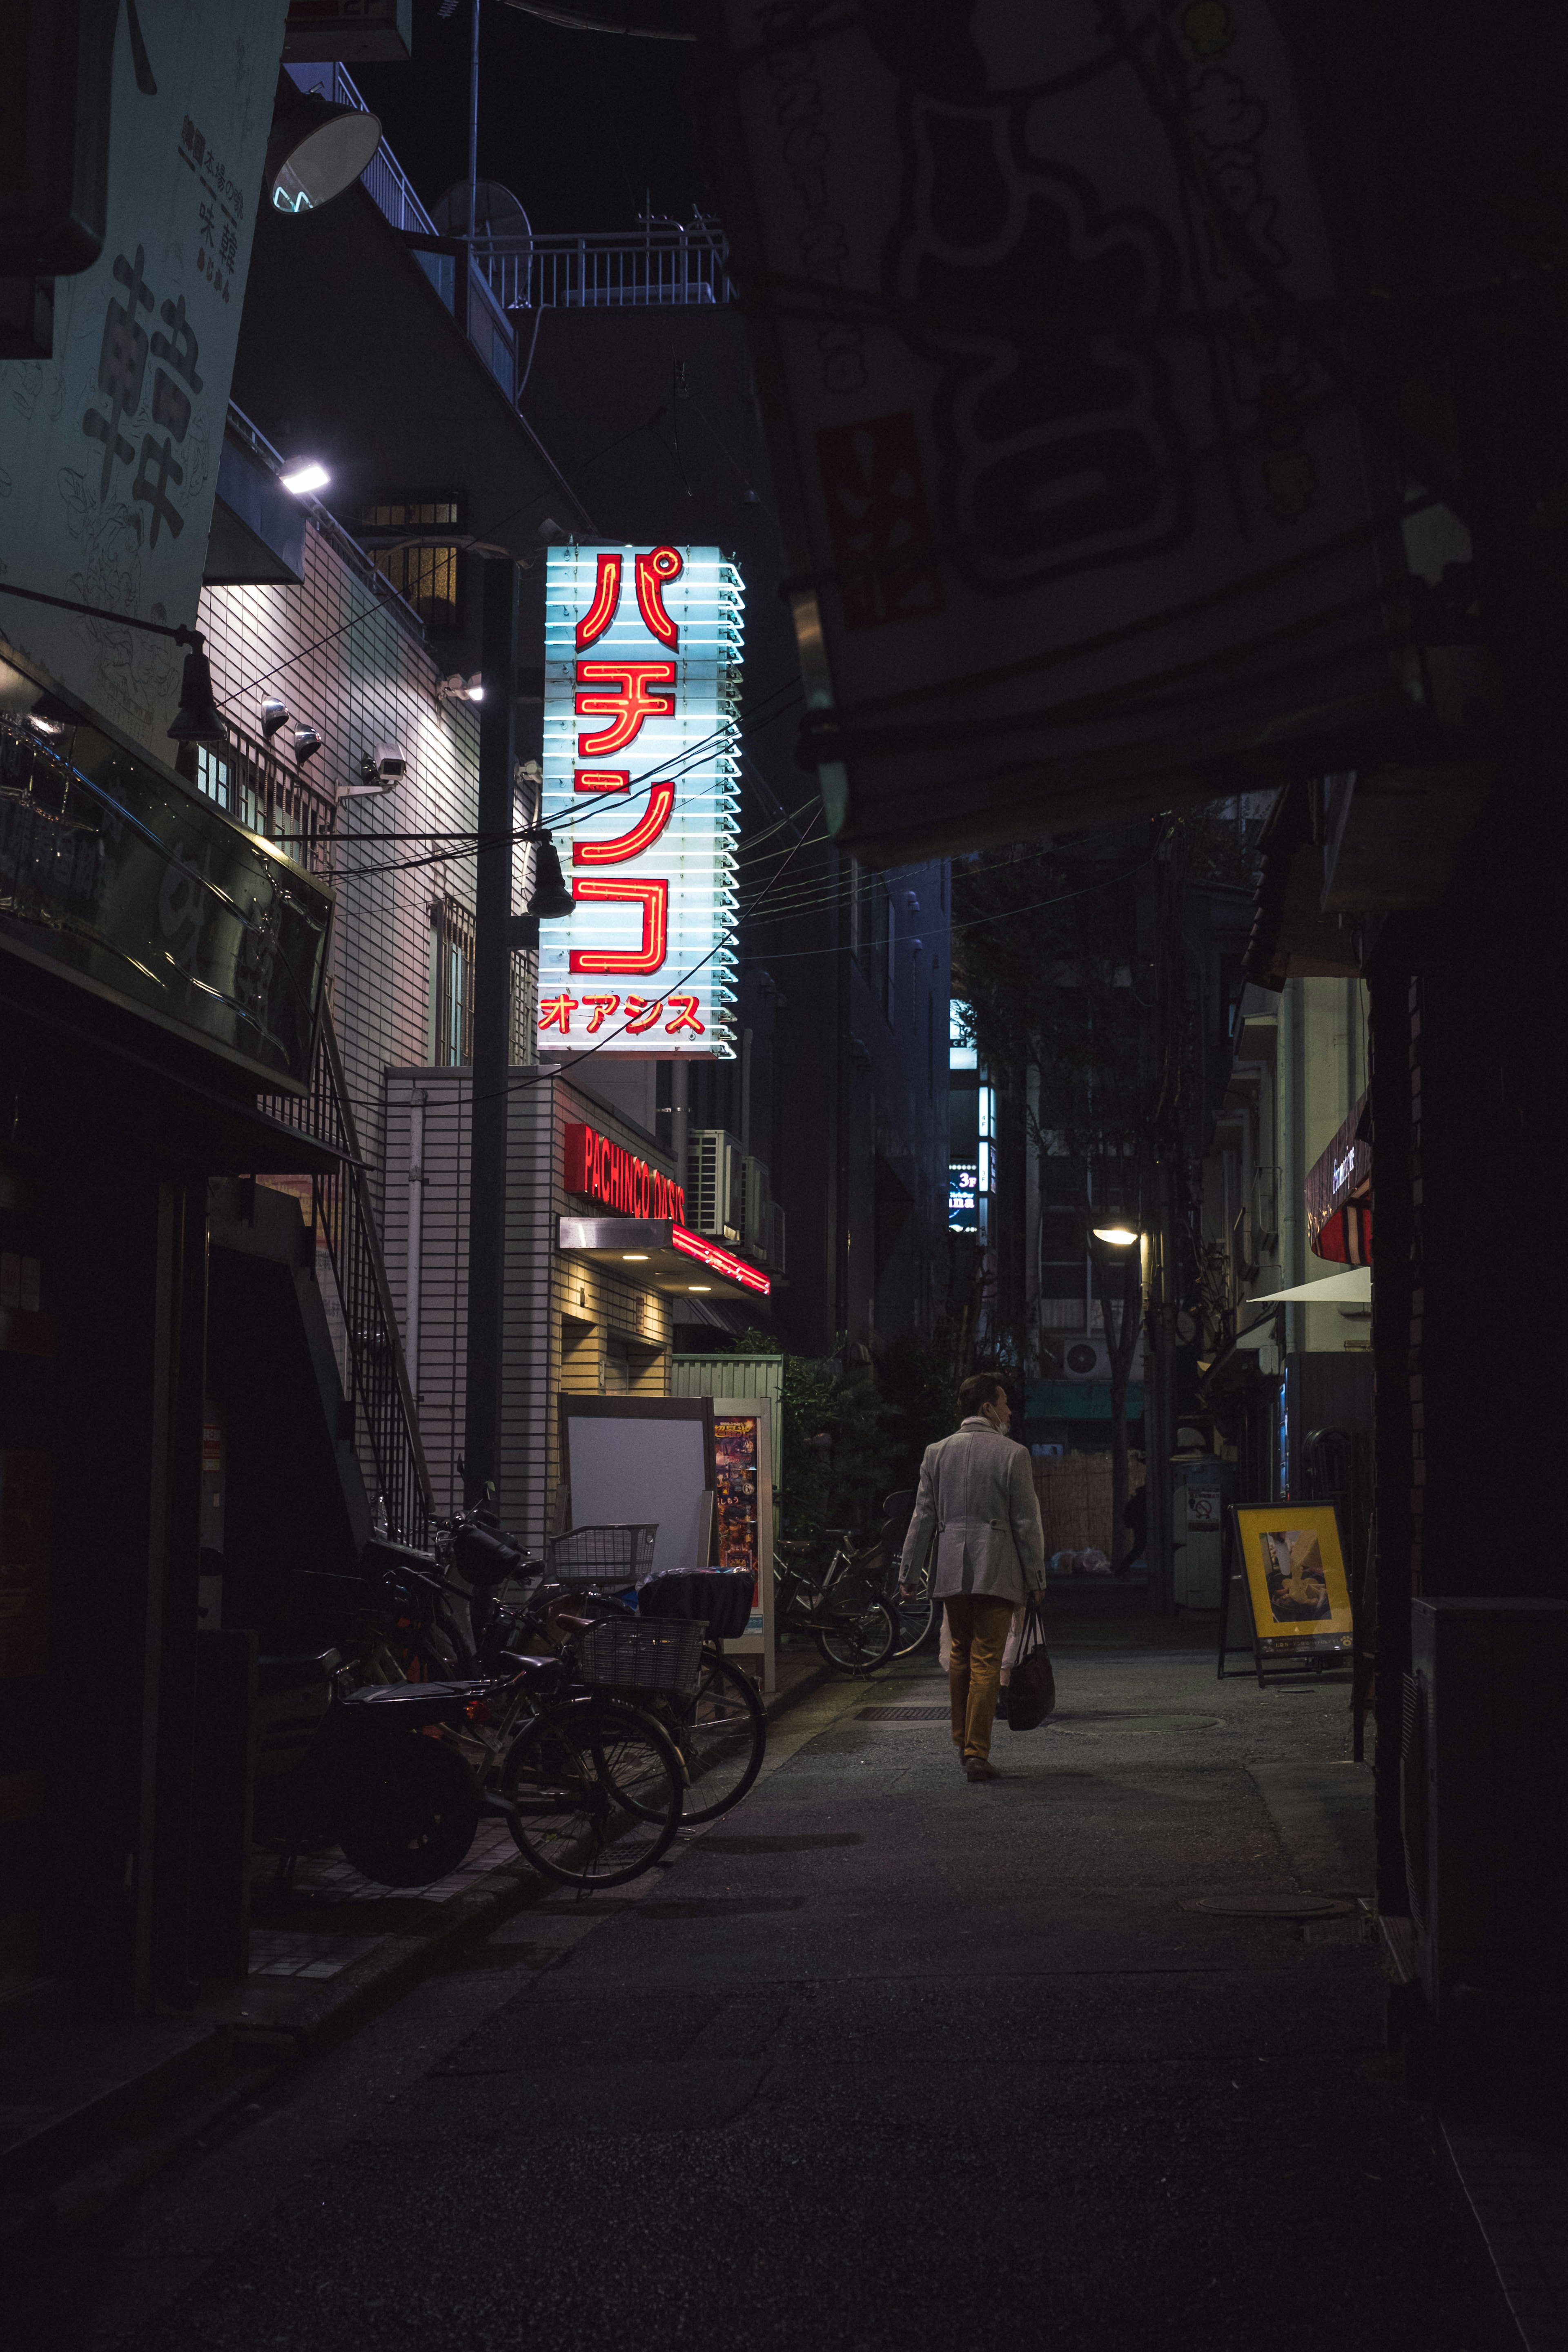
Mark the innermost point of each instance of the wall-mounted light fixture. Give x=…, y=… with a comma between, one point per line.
x=457, y=689
x=307, y=743
x=273, y=714
x=304, y=477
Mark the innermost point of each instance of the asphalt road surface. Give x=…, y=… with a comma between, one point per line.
x=884, y=2061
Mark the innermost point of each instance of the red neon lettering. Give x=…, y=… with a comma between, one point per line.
x=602, y=779
x=603, y=1008
x=626, y=706
x=652, y=572
x=556, y=1012
x=641, y=1015
x=606, y=1171
x=685, y=1010
x=643, y=834
x=654, y=900
x=578, y=1142
x=720, y=1260
x=606, y=600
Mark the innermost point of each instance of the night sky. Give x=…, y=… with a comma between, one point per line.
x=578, y=125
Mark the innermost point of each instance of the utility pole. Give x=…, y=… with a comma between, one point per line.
x=492, y=1027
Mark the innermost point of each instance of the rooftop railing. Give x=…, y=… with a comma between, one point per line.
x=661, y=263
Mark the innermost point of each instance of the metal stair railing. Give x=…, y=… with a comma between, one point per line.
x=375, y=1376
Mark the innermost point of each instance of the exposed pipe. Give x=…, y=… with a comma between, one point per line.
x=415, y=1240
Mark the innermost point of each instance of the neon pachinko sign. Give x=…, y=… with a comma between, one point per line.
x=642, y=676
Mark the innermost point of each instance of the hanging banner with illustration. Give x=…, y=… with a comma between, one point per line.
x=1073, y=478
x=642, y=680
x=109, y=450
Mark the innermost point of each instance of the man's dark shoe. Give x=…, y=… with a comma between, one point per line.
x=977, y=1768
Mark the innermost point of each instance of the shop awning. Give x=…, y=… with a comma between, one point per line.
x=1351, y=1289
x=659, y=1254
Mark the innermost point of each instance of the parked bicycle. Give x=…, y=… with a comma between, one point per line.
x=590, y=1784
x=718, y=1723
x=842, y=1608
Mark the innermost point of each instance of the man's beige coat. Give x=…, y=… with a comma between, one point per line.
x=976, y=1498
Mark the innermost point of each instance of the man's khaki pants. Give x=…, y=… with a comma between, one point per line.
x=978, y=1627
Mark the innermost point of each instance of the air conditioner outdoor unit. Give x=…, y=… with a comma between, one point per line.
x=1482, y=1802
x=715, y=1186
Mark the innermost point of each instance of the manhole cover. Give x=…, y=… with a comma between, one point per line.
x=803, y=1845
x=1132, y=1720
x=721, y=1906
x=1270, y=1907
x=901, y=1714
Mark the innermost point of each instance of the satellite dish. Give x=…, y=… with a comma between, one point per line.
x=500, y=225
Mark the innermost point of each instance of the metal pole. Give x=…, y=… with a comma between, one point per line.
x=473, y=133
x=492, y=1023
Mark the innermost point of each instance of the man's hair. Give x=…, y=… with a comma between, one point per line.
x=976, y=1393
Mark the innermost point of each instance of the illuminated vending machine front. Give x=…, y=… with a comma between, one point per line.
x=642, y=680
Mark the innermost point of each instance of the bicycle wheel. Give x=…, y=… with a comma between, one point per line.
x=723, y=1735
x=409, y=1813
x=917, y=1622
x=593, y=1794
x=860, y=1641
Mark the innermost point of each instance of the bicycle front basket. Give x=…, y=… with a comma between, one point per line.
x=602, y=1554
x=644, y=1653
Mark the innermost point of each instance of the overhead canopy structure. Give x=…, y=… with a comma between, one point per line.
x=1351, y=1289
x=1077, y=479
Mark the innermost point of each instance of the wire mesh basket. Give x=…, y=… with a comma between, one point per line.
x=602, y=1554
x=644, y=1653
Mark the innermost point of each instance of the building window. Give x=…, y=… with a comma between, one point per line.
x=1064, y=1271
x=421, y=566
x=451, y=1028
x=212, y=774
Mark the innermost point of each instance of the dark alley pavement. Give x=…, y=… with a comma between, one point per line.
x=883, y=2060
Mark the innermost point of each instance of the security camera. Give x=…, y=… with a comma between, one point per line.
x=384, y=767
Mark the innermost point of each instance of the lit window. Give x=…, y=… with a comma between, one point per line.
x=212, y=775
x=421, y=570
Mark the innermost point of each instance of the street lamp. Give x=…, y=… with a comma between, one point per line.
x=1118, y=1236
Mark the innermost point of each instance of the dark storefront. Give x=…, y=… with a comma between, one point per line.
x=159, y=969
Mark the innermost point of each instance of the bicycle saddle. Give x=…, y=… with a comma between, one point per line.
x=535, y=1674
x=382, y=1552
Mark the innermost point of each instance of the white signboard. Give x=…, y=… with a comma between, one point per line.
x=642, y=678
x=109, y=451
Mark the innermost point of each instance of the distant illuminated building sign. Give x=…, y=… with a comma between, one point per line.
x=642, y=679
x=963, y=1197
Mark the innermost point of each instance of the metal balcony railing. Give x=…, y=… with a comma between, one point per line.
x=385, y=1426
x=660, y=263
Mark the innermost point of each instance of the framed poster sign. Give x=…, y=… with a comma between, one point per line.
x=742, y=1457
x=1293, y=1569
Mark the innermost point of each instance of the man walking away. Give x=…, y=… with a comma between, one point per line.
x=977, y=1499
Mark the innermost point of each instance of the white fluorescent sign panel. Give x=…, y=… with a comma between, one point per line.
x=642, y=677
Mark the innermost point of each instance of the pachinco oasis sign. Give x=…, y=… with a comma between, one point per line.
x=629, y=1185
x=642, y=676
